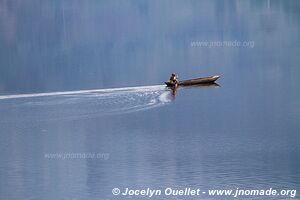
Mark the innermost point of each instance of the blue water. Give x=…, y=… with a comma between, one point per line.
x=85, y=77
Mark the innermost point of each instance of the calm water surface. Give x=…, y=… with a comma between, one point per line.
x=243, y=134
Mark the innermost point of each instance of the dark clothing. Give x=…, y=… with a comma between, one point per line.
x=173, y=80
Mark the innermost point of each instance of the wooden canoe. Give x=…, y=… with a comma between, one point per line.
x=196, y=81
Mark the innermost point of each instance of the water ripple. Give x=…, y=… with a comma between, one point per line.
x=84, y=103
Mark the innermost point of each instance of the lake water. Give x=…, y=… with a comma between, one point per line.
x=83, y=108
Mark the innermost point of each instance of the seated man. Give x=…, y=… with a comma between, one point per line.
x=173, y=79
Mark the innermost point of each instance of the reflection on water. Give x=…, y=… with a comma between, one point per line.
x=244, y=134
x=208, y=85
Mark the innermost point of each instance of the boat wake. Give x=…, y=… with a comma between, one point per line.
x=83, y=103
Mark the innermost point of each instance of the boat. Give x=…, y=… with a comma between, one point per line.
x=196, y=81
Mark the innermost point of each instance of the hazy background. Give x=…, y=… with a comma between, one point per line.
x=243, y=134
x=68, y=45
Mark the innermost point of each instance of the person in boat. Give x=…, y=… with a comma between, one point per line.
x=173, y=79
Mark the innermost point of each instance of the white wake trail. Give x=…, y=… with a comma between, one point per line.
x=138, y=88
x=83, y=103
